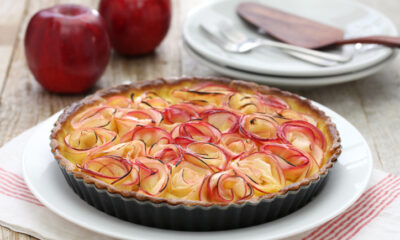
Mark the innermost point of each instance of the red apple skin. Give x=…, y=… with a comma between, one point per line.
x=67, y=48
x=136, y=27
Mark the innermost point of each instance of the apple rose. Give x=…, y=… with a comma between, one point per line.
x=304, y=136
x=249, y=103
x=101, y=116
x=236, y=145
x=225, y=121
x=186, y=179
x=207, y=155
x=154, y=175
x=211, y=97
x=82, y=142
x=109, y=168
x=121, y=101
x=225, y=186
x=195, y=131
x=296, y=164
x=180, y=113
x=260, y=127
x=261, y=170
x=151, y=100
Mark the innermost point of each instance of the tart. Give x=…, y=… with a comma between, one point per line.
x=190, y=147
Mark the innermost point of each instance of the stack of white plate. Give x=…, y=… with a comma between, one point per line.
x=274, y=67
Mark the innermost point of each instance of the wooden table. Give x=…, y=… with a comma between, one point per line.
x=372, y=104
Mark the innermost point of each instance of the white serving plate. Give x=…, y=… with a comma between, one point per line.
x=347, y=180
x=296, y=82
x=354, y=18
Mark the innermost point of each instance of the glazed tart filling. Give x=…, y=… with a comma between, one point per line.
x=199, y=141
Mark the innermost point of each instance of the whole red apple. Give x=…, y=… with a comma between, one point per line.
x=136, y=27
x=67, y=48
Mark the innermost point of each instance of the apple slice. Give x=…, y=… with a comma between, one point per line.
x=120, y=101
x=186, y=179
x=148, y=135
x=154, y=176
x=260, y=127
x=151, y=100
x=248, y=103
x=289, y=114
x=94, y=117
x=130, y=182
x=193, y=95
x=108, y=167
x=261, y=171
x=296, y=164
x=88, y=140
x=237, y=145
x=169, y=154
x=225, y=121
x=209, y=154
x=180, y=113
x=148, y=116
x=225, y=186
x=128, y=150
x=304, y=136
x=271, y=104
x=195, y=131
x=245, y=103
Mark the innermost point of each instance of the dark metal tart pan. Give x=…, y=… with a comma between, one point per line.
x=194, y=218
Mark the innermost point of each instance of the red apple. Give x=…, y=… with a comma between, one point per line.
x=67, y=48
x=136, y=27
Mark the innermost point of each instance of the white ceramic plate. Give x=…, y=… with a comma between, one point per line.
x=354, y=18
x=290, y=81
x=347, y=180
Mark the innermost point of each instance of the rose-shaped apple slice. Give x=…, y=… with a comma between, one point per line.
x=260, y=127
x=248, y=103
x=206, y=155
x=245, y=103
x=194, y=95
x=304, y=136
x=109, y=168
x=237, y=145
x=225, y=186
x=128, y=150
x=225, y=121
x=186, y=179
x=130, y=119
x=296, y=164
x=82, y=142
x=121, y=101
x=195, y=131
x=261, y=170
x=148, y=135
x=151, y=100
x=101, y=116
x=289, y=114
x=169, y=154
x=154, y=176
x=271, y=104
x=180, y=113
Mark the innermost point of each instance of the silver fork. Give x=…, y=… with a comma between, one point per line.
x=234, y=41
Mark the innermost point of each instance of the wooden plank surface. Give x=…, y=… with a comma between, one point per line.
x=372, y=104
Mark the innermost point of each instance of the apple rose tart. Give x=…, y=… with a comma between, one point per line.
x=194, y=143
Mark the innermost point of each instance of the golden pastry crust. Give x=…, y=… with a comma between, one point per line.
x=332, y=135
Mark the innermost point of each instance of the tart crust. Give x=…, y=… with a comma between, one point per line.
x=68, y=113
